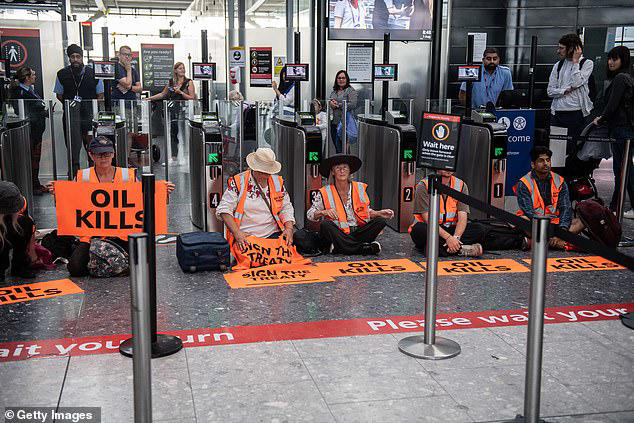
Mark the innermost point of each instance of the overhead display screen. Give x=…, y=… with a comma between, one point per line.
x=405, y=20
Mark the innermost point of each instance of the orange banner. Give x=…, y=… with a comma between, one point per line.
x=37, y=291
x=479, y=267
x=266, y=252
x=275, y=276
x=374, y=267
x=577, y=264
x=101, y=209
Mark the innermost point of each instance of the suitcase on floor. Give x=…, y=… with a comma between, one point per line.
x=200, y=251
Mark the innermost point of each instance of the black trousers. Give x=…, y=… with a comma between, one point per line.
x=18, y=242
x=78, y=260
x=473, y=233
x=350, y=243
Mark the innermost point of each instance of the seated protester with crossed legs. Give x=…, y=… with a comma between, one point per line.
x=101, y=152
x=347, y=223
x=458, y=236
x=256, y=202
x=541, y=192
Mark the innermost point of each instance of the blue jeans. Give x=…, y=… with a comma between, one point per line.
x=336, y=140
x=618, y=150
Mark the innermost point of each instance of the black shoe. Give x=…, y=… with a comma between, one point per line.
x=369, y=249
x=24, y=273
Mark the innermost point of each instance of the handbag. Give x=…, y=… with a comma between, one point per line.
x=352, y=130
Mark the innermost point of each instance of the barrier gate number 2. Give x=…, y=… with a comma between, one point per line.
x=408, y=194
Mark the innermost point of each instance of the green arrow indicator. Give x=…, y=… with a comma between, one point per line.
x=498, y=151
x=407, y=154
x=213, y=158
x=313, y=156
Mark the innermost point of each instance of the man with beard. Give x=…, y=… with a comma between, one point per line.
x=77, y=82
x=495, y=79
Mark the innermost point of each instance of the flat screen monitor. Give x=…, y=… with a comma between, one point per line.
x=204, y=71
x=297, y=72
x=103, y=69
x=385, y=72
x=404, y=20
x=469, y=73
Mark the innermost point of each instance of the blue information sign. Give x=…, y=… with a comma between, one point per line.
x=520, y=128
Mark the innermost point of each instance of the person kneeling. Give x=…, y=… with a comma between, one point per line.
x=458, y=235
x=348, y=224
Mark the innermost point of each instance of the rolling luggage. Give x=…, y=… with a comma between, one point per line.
x=200, y=251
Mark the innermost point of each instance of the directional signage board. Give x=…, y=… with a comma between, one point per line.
x=439, y=141
x=237, y=57
x=261, y=66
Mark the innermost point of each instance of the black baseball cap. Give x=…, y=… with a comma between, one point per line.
x=101, y=144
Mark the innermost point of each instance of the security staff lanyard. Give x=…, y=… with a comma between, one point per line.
x=83, y=72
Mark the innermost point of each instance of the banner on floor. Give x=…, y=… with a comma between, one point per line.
x=266, y=252
x=102, y=209
x=37, y=291
x=374, y=267
x=275, y=276
x=576, y=264
x=481, y=267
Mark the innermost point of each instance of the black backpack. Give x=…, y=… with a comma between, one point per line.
x=592, y=84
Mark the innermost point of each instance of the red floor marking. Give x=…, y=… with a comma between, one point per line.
x=12, y=351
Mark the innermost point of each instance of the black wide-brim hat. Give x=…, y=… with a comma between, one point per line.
x=326, y=165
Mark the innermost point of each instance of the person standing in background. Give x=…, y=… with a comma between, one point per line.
x=495, y=79
x=127, y=78
x=77, y=82
x=37, y=114
x=341, y=91
x=349, y=14
x=617, y=116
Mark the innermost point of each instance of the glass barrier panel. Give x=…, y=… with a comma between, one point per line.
x=439, y=106
x=230, y=114
x=265, y=112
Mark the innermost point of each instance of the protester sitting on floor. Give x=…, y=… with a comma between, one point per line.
x=101, y=151
x=348, y=224
x=458, y=235
x=542, y=192
x=256, y=202
x=16, y=232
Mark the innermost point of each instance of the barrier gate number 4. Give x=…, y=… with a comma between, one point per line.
x=214, y=199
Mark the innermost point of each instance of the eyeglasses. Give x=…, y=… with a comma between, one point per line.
x=103, y=155
x=126, y=54
x=341, y=169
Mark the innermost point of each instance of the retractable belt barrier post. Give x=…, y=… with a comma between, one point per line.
x=534, y=343
x=141, y=327
x=162, y=344
x=430, y=346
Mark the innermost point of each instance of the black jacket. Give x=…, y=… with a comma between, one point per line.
x=35, y=108
x=616, y=96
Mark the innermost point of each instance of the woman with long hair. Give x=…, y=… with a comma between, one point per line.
x=181, y=88
x=617, y=117
x=284, y=92
x=341, y=91
x=16, y=231
x=23, y=88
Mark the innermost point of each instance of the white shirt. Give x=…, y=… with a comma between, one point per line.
x=258, y=219
x=318, y=205
x=350, y=17
x=571, y=75
x=321, y=121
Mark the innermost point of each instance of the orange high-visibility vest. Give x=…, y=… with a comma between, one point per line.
x=121, y=174
x=539, y=207
x=360, y=204
x=448, y=209
x=276, y=194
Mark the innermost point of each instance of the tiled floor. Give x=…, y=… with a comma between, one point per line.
x=588, y=367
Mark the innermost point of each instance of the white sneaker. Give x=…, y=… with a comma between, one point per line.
x=629, y=214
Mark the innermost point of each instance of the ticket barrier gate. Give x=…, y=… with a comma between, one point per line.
x=299, y=148
x=205, y=170
x=109, y=125
x=388, y=153
x=15, y=154
x=482, y=162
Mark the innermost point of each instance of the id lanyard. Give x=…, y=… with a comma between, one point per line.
x=83, y=73
x=354, y=21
